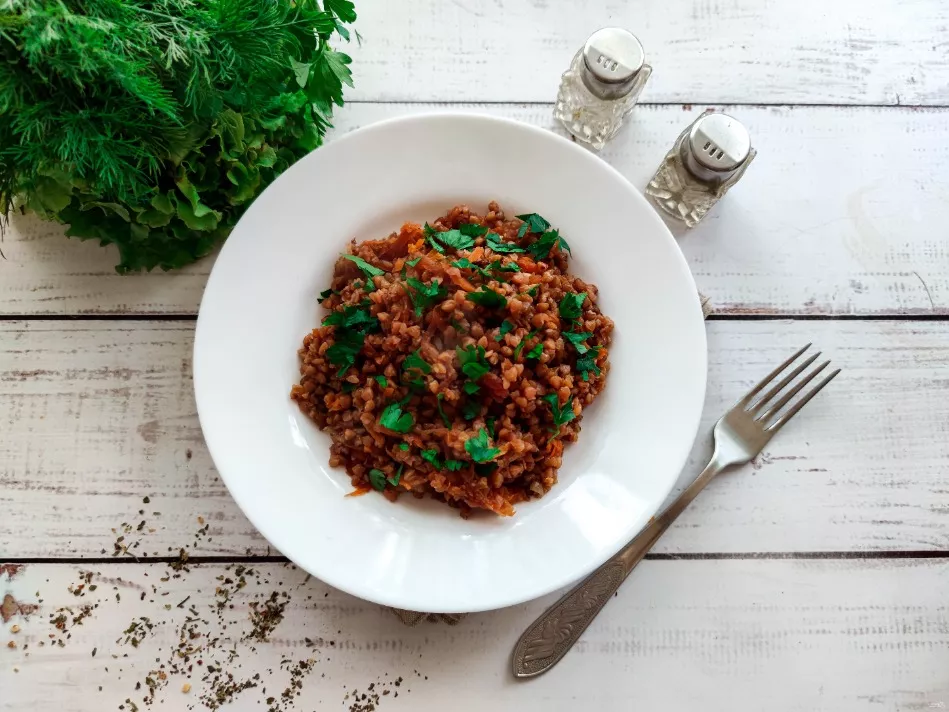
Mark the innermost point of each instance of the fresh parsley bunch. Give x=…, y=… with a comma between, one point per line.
x=152, y=124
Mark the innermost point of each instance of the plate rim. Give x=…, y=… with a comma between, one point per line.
x=244, y=502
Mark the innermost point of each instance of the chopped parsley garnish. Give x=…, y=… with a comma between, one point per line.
x=498, y=245
x=533, y=223
x=532, y=292
x=480, y=449
x=458, y=327
x=394, y=480
x=520, y=346
x=489, y=421
x=455, y=239
x=465, y=263
x=414, y=261
x=471, y=410
x=349, y=387
x=424, y=295
x=577, y=339
x=438, y=463
x=470, y=388
x=403, y=446
x=367, y=269
x=327, y=293
x=545, y=243
x=415, y=360
x=506, y=328
x=353, y=317
x=536, y=351
x=473, y=364
x=587, y=363
x=430, y=233
x=395, y=419
x=498, y=266
x=381, y=380
x=344, y=351
x=561, y=415
x=487, y=298
x=377, y=478
x=571, y=306
x=438, y=403
x=472, y=230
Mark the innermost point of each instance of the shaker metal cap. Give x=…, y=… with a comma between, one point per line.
x=719, y=143
x=613, y=55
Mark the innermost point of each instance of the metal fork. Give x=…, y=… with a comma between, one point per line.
x=739, y=436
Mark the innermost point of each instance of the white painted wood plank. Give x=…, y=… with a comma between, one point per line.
x=844, y=211
x=98, y=415
x=733, y=636
x=720, y=51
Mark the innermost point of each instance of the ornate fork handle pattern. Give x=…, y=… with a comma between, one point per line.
x=555, y=632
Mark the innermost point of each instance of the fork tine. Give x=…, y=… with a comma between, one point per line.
x=771, y=376
x=763, y=401
x=783, y=401
x=782, y=421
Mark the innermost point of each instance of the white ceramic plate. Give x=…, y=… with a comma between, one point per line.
x=261, y=299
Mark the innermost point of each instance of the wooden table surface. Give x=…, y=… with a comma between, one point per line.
x=815, y=579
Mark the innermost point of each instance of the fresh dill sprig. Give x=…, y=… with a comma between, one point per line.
x=152, y=124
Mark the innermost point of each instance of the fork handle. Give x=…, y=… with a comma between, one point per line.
x=552, y=635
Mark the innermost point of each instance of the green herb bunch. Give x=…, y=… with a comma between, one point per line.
x=152, y=124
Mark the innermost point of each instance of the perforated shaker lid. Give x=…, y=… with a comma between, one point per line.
x=613, y=55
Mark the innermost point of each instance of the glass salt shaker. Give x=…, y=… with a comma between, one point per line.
x=706, y=160
x=602, y=86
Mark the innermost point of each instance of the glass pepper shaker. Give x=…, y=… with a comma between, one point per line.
x=706, y=160
x=602, y=86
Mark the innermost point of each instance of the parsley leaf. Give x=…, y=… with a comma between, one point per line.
x=536, y=351
x=487, y=298
x=431, y=456
x=430, y=234
x=414, y=261
x=403, y=446
x=561, y=415
x=498, y=245
x=349, y=387
x=367, y=269
x=381, y=380
x=394, y=480
x=479, y=448
x=571, y=306
x=327, y=293
x=489, y=421
x=455, y=239
x=439, y=464
x=424, y=295
x=485, y=469
x=458, y=327
x=532, y=292
x=520, y=346
x=532, y=223
x=587, y=363
x=470, y=388
x=577, y=339
x=438, y=403
x=355, y=317
x=347, y=346
x=506, y=328
x=395, y=419
x=472, y=230
x=377, y=478
x=472, y=361
x=415, y=360
x=550, y=240
x=498, y=266
x=471, y=410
